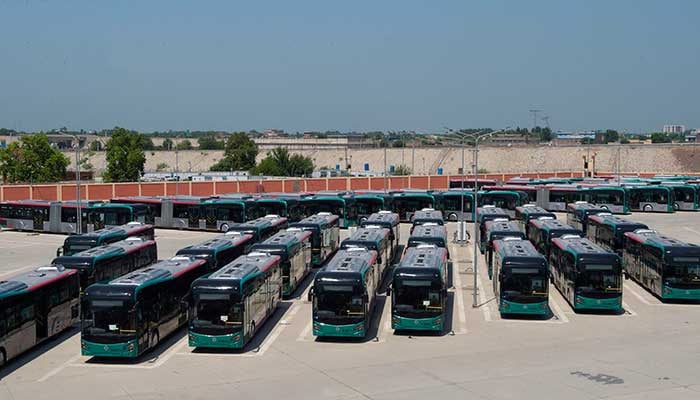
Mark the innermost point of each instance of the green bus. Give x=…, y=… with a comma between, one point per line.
x=498, y=229
x=507, y=200
x=669, y=268
x=524, y=214
x=587, y=275
x=577, y=214
x=484, y=214
x=419, y=290
x=431, y=234
x=521, y=285
x=344, y=294
x=104, y=263
x=131, y=314
x=542, y=231
x=233, y=302
x=612, y=198
x=77, y=243
x=325, y=236
x=651, y=198
x=103, y=215
x=351, y=209
x=608, y=231
x=372, y=238
x=293, y=246
x=685, y=196
x=390, y=221
x=35, y=306
x=456, y=205
x=272, y=206
x=220, y=250
x=406, y=203
x=261, y=228
x=426, y=216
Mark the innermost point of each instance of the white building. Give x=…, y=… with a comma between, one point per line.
x=674, y=128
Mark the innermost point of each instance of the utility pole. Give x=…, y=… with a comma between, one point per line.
x=534, y=123
x=386, y=172
x=79, y=213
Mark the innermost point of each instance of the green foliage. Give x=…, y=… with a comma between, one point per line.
x=398, y=143
x=96, y=146
x=546, y=135
x=167, y=144
x=280, y=163
x=610, y=136
x=32, y=159
x=184, y=145
x=401, y=170
x=239, y=154
x=660, y=137
x=210, y=143
x=624, y=140
x=147, y=143
x=125, y=156
x=162, y=167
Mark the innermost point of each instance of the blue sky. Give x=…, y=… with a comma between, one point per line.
x=360, y=65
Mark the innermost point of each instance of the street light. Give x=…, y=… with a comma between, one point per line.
x=79, y=211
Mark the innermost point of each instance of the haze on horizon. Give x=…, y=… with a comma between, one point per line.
x=319, y=65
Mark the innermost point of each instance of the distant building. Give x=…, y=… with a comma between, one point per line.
x=674, y=128
x=578, y=135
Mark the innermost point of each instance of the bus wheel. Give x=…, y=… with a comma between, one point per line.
x=452, y=217
x=676, y=206
x=648, y=208
x=3, y=357
x=224, y=227
x=155, y=338
x=252, y=329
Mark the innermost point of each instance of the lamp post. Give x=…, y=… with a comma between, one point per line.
x=79, y=211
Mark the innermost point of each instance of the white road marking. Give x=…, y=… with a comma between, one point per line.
x=557, y=308
x=485, y=307
x=459, y=302
x=59, y=368
x=304, y=335
x=628, y=288
x=691, y=230
x=628, y=310
x=163, y=358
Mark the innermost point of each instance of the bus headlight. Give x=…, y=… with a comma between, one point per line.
x=579, y=300
x=130, y=347
x=317, y=326
x=667, y=290
x=83, y=345
x=438, y=321
x=504, y=305
x=191, y=337
x=237, y=337
x=394, y=320
x=360, y=327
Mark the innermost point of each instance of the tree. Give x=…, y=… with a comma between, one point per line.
x=660, y=137
x=125, y=156
x=162, y=167
x=280, y=163
x=147, y=143
x=95, y=146
x=611, y=135
x=402, y=170
x=210, y=143
x=239, y=154
x=184, y=145
x=546, y=135
x=32, y=159
x=167, y=144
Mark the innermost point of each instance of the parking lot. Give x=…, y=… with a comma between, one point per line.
x=648, y=352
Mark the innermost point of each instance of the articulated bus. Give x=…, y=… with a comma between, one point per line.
x=521, y=285
x=668, y=268
x=419, y=290
x=104, y=263
x=455, y=205
x=524, y=214
x=556, y=198
x=498, y=229
x=45, y=216
x=272, y=206
x=429, y=234
x=261, y=228
x=685, y=196
x=612, y=198
x=109, y=215
x=487, y=213
x=527, y=193
x=131, y=314
x=542, y=231
x=233, y=302
x=469, y=183
x=36, y=305
x=577, y=214
x=507, y=200
x=608, y=231
x=406, y=203
x=351, y=209
x=588, y=276
x=294, y=248
x=390, y=221
x=220, y=250
x=651, y=198
x=77, y=243
x=344, y=294
x=374, y=238
x=325, y=236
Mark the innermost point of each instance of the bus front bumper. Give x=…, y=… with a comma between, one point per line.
x=124, y=349
x=417, y=324
x=589, y=303
x=229, y=341
x=680, y=294
x=328, y=330
x=509, y=307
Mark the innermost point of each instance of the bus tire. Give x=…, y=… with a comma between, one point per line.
x=648, y=208
x=224, y=228
x=3, y=358
x=252, y=329
x=676, y=206
x=155, y=338
x=452, y=217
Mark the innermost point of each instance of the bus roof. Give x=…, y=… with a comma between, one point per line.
x=217, y=243
x=320, y=219
x=348, y=262
x=424, y=256
x=653, y=238
x=429, y=231
x=532, y=209
x=258, y=223
x=615, y=221
x=123, y=230
x=365, y=235
x=121, y=247
x=236, y=273
x=491, y=212
x=520, y=249
x=553, y=224
x=427, y=214
x=32, y=280
x=383, y=217
x=284, y=239
x=582, y=205
x=494, y=226
x=579, y=246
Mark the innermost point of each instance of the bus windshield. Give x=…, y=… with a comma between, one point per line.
x=683, y=273
x=216, y=313
x=416, y=296
x=600, y=277
x=527, y=281
x=339, y=301
x=77, y=245
x=109, y=321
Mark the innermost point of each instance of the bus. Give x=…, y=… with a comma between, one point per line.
x=293, y=245
x=419, y=290
x=365, y=205
x=102, y=215
x=668, y=268
x=588, y=276
x=325, y=236
x=45, y=216
x=36, y=305
x=220, y=250
x=556, y=198
x=249, y=201
x=528, y=193
x=542, y=231
x=651, y=198
x=292, y=205
x=431, y=234
x=344, y=294
x=406, y=203
x=390, y=221
x=469, y=183
x=455, y=205
x=524, y=214
x=685, y=196
x=577, y=214
x=487, y=213
x=351, y=209
x=498, y=229
x=131, y=314
x=521, y=285
x=425, y=216
x=612, y=198
x=608, y=231
x=104, y=263
x=77, y=243
x=505, y=199
x=271, y=206
x=260, y=228
x=230, y=304
x=375, y=238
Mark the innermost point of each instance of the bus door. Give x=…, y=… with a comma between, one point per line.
x=38, y=218
x=193, y=216
x=210, y=216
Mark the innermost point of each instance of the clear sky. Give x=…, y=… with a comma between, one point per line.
x=348, y=65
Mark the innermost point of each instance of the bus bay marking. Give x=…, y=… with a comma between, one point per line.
x=628, y=310
x=637, y=295
x=60, y=368
x=557, y=309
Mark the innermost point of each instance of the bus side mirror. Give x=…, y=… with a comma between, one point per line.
x=59, y=251
x=310, y=296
